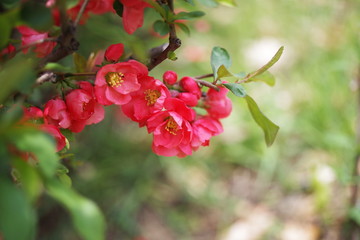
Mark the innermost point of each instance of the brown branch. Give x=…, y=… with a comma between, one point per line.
x=55, y=77
x=174, y=43
x=206, y=84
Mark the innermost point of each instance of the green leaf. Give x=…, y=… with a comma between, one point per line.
x=118, y=7
x=15, y=74
x=172, y=56
x=29, y=179
x=219, y=56
x=189, y=15
x=269, y=128
x=86, y=216
x=209, y=3
x=36, y=15
x=229, y=3
x=191, y=2
x=80, y=62
x=223, y=72
x=5, y=29
x=17, y=218
x=9, y=3
x=266, y=77
x=161, y=27
x=236, y=89
x=41, y=145
x=264, y=68
x=183, y=27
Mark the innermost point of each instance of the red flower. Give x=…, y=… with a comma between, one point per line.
x=192, y=92
x=33, y=113
x=203, y=129
x=146, y=101
x=30, y=36
x=83, y=108
x=55, y=113
x=115, y=82
x=217, y=104
x=55, y=132
x=93, y=6
x=133, y=14
x=172, y=132
x=170, y=77
x=114, y=52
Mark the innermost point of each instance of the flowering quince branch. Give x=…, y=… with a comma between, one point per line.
x=82, y=9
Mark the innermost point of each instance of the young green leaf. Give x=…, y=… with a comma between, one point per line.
x=229, y=3
x=189, y=15
x=86, y=216
x=236, y=89
x=266, y=77
x=172, y=56
x=183, y=27
x=161, y=27
x=223, y=72
x=80, y=62
x=219, y=56
x=269, y=128
x=264, y=68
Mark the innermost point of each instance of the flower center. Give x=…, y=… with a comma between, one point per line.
x=114, y=79
x=151, y=96
x=171, y=126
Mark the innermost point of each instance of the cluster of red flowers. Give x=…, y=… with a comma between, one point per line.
x=165, y=108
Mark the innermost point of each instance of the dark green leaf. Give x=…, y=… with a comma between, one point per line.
x=189, y=15
x=236, y=89
x=17, y=218
x=80, y=62
x=9, y=3
x=119, y=8
x=15, y=74
x=86, y=216
x=5, y=29
x=36, y=15
x=41, y=145
x=161, y=27
x=183, y=27
x=266, y=77
x=264, y=68
x=269, y=128
x=219, y=56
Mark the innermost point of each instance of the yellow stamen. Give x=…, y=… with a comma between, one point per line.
x=114, y=79
x=151, y=96
x=171, y=126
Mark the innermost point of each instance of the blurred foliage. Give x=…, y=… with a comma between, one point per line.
x=302, y=179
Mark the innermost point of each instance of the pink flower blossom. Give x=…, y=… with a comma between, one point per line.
x=172, y=132
x=33, y=113
x=114, y=52
x=146, y=101
x=83, y=108
x=203, y=129
x=170, y=77
x=191, y=91
x=55, y=132
x=30, y=36
x=217, y=104
x=133, y=14
x=115, y=82
x=93, y=6
x=55, y=113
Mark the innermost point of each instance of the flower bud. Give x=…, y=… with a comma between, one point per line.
x=170, y=77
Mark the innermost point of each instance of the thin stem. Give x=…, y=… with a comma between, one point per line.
x=82, y=9
x=205, y=76
x=174, y=43
x=207, y=84
x=33, y=44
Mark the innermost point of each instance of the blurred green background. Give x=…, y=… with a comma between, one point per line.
x=236, y=188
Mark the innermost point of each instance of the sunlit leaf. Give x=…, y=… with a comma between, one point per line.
x=161, y=27
x=86, y=216
x=266, y=77
x=269, y=128
x=219, y=56
x=236, y=89
x=264, y=68
x=172, y=56
x=223, y=72
x=229, y=3
x=17, y=218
